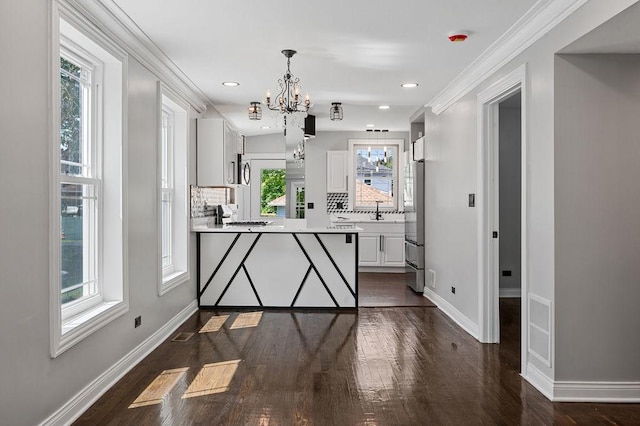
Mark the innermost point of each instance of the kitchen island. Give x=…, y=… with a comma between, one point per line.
x=277, y=266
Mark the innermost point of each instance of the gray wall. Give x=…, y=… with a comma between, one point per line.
x=33, y=384
x=510, y=141
x=272, y=143
x=451, y=228
x=597, y=205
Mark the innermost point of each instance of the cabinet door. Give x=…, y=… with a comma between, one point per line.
x=369, y=249
x=230, y=155
x=392, y=249
x=337, y=171
x=210, y=152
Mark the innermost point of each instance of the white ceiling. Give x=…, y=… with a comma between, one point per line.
x=351, y=51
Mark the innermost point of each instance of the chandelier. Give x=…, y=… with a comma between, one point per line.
x=288, y=100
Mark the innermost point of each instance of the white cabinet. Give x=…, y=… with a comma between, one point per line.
x=369, y=249
x=381, y=249
x=337, y=171
x=217, y=152
x=392, y=250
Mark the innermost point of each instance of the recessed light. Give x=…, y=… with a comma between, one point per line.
x=265, y=127
x=371, y=125
x=384, y=107
x=230, y=83
x=409, y=85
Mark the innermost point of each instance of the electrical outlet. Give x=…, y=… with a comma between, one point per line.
x=310, y=206
x=138, y=321
x=453, y=290
x=340, y=205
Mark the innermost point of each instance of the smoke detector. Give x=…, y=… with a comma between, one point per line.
x=458, y=36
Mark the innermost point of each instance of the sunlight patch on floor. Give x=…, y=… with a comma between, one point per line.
x=212, y=378
x=248, y=319
x=159, y=388
x=214, y=324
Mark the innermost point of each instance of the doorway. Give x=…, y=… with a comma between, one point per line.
x=502, y=248
x=509, y=242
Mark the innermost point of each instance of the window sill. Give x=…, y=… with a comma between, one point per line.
x=78, y=327
x=173, y=280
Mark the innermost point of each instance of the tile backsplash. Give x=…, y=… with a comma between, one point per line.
x=338, y=202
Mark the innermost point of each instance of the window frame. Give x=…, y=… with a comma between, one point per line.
x=179, y=270
x=89, y=175
x=74, y=35
x=397, y=181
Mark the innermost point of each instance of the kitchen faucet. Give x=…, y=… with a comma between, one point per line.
x=378, y=212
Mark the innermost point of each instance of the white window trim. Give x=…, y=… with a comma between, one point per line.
x=179, y=271
x=399, y=143
x=68, y=331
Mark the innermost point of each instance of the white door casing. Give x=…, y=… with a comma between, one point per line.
x=488, y=208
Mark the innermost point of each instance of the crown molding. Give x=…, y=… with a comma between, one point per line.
x=116, y=24
x=538, y=21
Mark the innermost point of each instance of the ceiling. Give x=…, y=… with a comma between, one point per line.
x=356, y=52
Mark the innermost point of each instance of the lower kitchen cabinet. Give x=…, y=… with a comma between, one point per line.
x=392, y=250
x=381, y=249
x=369, y=249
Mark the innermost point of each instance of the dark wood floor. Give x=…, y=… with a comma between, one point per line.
x=374, y=366
x=386, y=289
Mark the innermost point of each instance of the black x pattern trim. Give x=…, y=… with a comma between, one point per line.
x=335, y=265
x=304, y=280
x=335, y=302
x=215, y=271
x=238, y=268
x=251, y=283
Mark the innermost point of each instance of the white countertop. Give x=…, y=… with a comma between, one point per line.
x=334, y=229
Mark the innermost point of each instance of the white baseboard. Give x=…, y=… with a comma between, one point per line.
x=539, y=380
x=596, y=392
x=457, y=316
x=567, y=391
x=77, y=405
x=511, y=293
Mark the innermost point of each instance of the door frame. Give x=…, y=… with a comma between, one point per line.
x=488, y=208
x=257, y=164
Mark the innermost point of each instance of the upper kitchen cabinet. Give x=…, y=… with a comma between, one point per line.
x=218, y=147
x=416, y=146
x=337, y=164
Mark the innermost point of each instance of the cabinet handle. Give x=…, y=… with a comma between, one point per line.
x=381, y=242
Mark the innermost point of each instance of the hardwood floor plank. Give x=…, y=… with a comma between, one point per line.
x=214, y=324
x=246, y=319
x=159, y=388
x=212, y=378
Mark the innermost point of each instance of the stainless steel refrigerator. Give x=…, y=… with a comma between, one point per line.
x=414, y=224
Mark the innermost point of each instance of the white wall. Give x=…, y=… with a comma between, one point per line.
x=597, y=205
x=510, y=142
x=451, y=227
x=33, y=384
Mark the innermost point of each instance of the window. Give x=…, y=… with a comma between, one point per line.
x=174, y=222
x=375, y=177
x=273, y=192
x=166, y=185
x=79, y=183
x=88, y=287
